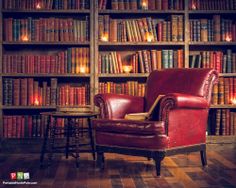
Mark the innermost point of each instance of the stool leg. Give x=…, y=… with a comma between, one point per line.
x=76, y=127
x=68, y=128
x=45, y=140
x=91, y=138
x=52, y=140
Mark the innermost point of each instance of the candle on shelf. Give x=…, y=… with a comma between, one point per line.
x=228, y=38
x=194, y=7
x=149, y=37
x=127, y=68
x=104, y=37
x=144, y=4
x=25, y=38
x=82, y=69
x=36, y=102
x=233, y=100
x=38, y=6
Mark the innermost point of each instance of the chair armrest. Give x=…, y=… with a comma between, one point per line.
x=181, y=101
x=115, y=106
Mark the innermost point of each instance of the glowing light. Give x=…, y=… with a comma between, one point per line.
x=144, y=5
x=38, y=6
x=25, y=38
x=82, y=69
x=233, y=101
x=228, y=38
x=104, y=37
x=149, y=37
x=194, y=7
x=36, y=101
x=127, y=68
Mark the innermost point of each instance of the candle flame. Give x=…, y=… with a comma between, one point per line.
x=38, y=6
x=82, y=69
x=127, y=68
x=105, y=37
x=25, y=38
x=228, y=38
x=36, y=101
x=233, y=100
x=149, y=37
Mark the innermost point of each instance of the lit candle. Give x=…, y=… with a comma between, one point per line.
x=36, y=101
x=25, y=38
x=228, y=38
x=104, y=37
x=233, y=100
x=82, y=69
x=194, y=7
x=144, y=4
x=38, y=6
x=149, y=37
x=127, y=68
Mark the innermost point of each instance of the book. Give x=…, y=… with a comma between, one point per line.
x=144, y=115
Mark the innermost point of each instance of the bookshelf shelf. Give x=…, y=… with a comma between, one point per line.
x=212, y=43
x=141, y=12
x=130, y=75
x=14, y=11
x=47, y=43
x=47, y=75
x=212, y=12
x=227, y=74
x=223, y=106
x=27, y=107
x=141, y=43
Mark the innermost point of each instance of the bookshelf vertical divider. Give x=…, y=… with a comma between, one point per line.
x=1, y=88
x=186, y=35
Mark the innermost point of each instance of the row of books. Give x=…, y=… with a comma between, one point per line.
x=223, y=62
x=216, y=29
x=73, y=95
x=140, y=30
x=30, y=92
x=72, y=60
x=33, y=126
x=129, y=88
x=222, y=122
x=141, y=4
x=46, y=29
x=143, y=61
x=224, y=92
x=46, y=4
x=212, y=4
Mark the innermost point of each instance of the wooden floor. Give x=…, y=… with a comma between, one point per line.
x=125, y=171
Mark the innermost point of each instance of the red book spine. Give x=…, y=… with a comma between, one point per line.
x=9, y=126
x=5, y=126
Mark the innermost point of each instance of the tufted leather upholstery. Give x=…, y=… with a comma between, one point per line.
x=179, y=120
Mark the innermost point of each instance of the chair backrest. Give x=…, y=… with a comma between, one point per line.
x=197, y=82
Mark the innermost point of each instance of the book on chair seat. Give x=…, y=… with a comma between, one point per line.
x=144, y=115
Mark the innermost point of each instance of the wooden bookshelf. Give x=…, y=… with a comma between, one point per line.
x=96, y=47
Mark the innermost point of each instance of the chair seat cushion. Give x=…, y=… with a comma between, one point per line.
x=129, y=126
x=128, y=133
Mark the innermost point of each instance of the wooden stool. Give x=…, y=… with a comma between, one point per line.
x=71, y=130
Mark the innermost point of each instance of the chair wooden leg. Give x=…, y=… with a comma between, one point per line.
x=203, y=157
x=100, y=160
x=158, y=157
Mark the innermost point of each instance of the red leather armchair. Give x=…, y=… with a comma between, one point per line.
x=178, y=123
